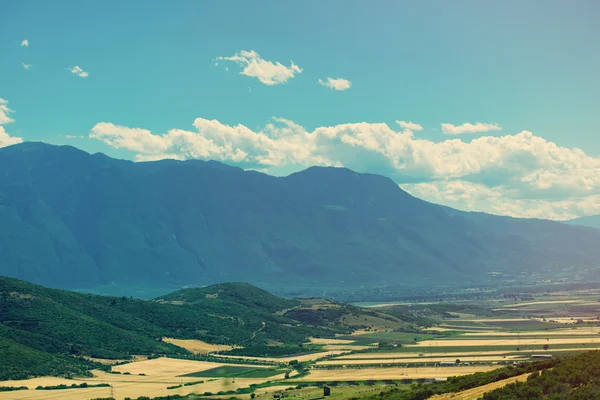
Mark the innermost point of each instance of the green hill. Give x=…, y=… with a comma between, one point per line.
x=230, y=299
x=46, y=331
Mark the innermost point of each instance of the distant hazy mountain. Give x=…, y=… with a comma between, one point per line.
x=592, y=220
x=70, y=219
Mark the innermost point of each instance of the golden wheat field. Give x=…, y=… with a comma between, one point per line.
x=330, y=341
x=158, y=373
x=349, y=374
x=401, y=360
x=506, y=342
x=122, y=387
x=197, y=346
x=300, y=358
x=592, y=330
x=476, y=393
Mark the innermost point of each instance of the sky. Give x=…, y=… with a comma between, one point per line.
x=479, y=105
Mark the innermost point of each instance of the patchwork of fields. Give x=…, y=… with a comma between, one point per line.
x=458, y=345
x=151, y=377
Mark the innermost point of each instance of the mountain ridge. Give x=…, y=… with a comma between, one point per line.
x=69, y=219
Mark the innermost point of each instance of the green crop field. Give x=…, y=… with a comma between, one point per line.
x=525, y=325
x=401, y=337
x=229, y=371
x=262, y=373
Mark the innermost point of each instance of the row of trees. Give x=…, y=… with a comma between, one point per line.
x=575, y=378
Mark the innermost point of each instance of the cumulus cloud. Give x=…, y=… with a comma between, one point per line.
x=27, y=66
x=502, y=200
x=514, y=167
x=336, y=83
x=5, y=138
x=409, y=125
x=25, y=43
x=265, y=71
x=76, y=70
x=477, y=127
x=4, y=111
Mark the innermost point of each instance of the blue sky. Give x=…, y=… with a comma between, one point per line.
x=164, y=79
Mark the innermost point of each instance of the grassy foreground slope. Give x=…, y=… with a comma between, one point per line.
x=47, y=331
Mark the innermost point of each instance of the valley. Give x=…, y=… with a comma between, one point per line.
x=262, y=344
x=310, y=200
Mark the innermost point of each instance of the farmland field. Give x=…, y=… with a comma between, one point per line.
x=228, y=371
x=300, y=358
x=197, y=346
x=331, y=341
x=364, y=374
x=476, y=337
x=400, y=337
x=147, y=377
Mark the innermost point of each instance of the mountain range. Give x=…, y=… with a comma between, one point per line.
x=69, y=219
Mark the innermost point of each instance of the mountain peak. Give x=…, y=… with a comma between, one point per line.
x=37, y=146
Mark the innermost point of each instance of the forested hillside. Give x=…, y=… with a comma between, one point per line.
x=567, y=378
x=44, y=331
x=576, y=378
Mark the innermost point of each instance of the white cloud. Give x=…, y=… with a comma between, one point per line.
x=138, y=140
x=25, y=43
x=76, y=70
x=409, y=125
x=27, y=66
x=465, y=195
x=5, y=138
x=267, y=72
x=336, y=84
x=4, y=111
x=73, y=136
x=477, y=127
x=518, y=167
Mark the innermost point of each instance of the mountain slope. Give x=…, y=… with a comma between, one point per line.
x=592, y=221
x=74, y=220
